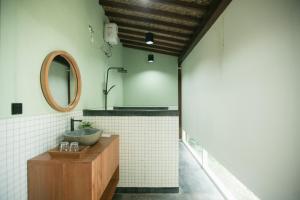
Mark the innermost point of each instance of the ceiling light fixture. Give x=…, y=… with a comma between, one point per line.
x=150, y=58
x=149, y=38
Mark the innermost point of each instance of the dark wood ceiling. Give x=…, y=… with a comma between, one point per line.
x=177, y=25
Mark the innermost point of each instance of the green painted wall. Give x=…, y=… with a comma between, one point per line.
x=241, y=94
x=149, y=84
x=31, y=29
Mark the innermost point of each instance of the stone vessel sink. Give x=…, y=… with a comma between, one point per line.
x=87, y=136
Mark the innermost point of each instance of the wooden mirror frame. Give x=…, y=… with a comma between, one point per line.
x=45, y=81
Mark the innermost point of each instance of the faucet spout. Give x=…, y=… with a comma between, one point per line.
x=72, y=123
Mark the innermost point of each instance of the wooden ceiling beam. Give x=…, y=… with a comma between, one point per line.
x=175, y=38
x=153, y=46
x=188, y=5
x=156, y=36
x=149, y=20
x=151, y=50
x=156, y=40
x=152, y=29
x=216, y=9
x=142, y=40
x=146, y=10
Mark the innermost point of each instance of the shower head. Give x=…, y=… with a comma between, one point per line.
x=122, y=70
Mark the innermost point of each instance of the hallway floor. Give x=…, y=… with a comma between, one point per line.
x=194, y=183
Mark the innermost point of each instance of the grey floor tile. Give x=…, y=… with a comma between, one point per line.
x=194, y=183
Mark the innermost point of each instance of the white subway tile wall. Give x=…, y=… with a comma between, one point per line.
x=22, y=138
x=148, y=149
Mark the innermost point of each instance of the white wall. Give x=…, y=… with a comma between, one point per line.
x=22, y=138
x=241, y=94
x=149, y=84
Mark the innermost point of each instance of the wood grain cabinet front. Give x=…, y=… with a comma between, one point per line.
x=94, y=176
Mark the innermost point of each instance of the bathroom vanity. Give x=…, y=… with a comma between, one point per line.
x=93, y=176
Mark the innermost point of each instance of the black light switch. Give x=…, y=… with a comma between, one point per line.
x=16, y=108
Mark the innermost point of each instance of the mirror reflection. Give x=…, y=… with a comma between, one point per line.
x=62, y=81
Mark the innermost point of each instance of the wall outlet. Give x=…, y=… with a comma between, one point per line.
x=16, y=108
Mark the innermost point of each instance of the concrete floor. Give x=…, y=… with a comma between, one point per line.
x=194, y=183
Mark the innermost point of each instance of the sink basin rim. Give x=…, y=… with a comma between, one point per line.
x=82, y=132
x=88, y=136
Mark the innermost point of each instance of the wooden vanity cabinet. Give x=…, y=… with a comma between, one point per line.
x=94, y=176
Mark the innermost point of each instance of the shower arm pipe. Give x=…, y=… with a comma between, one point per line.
x=106, y=84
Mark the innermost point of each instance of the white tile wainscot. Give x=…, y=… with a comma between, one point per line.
x=22, y=138
x=148, y=148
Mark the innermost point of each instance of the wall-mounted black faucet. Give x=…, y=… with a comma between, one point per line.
x=106, y=91
x=72, y=123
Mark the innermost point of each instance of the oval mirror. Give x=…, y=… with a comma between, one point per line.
x=61, y=81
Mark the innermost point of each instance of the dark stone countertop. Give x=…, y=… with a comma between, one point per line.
x=139, y=108
x=131, y=112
